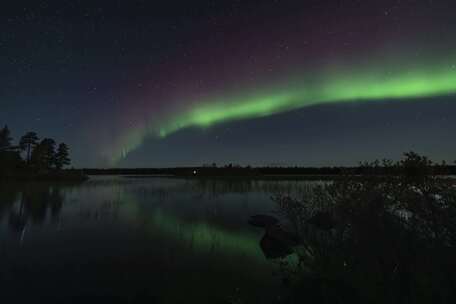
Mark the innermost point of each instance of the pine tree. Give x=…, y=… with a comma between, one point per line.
x=62, y=156
x=43, y=155
x=5, y=139
x=27, y=143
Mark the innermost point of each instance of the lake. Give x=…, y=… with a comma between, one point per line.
x=134, y=240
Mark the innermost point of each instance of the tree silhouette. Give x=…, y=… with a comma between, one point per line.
x=43, y=155
x=39, y=159
x=9, y=155
x=415, y=166
x=5, y=139
x=27, y=143
x=62, y=156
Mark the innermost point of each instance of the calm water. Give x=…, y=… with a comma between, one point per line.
x=131, y=240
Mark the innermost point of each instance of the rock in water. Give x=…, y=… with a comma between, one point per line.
x=277, y=243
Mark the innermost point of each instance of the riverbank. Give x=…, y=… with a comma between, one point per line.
x=70, y=175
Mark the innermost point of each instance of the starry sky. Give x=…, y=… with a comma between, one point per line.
x=174, y=83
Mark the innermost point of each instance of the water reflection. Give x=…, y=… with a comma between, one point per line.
x=137, y=236
x=203, y=237
x=34, y=203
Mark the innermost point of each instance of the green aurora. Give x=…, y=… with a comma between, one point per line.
x=338, y=86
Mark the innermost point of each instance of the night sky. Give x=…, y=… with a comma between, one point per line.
x=173, y=83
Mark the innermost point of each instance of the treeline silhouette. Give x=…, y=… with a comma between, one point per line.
x=32, y=157
x=213, y=170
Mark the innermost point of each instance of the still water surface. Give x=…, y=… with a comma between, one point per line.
x=128, y=240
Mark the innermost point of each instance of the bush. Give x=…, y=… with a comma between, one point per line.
x=376, y=238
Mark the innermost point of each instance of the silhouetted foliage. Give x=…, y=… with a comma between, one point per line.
x=42, y=161
x=28, y=143
x=62, y=156
x=43, y=156
x=9, y=156
x=5, y=139
x=386, y=238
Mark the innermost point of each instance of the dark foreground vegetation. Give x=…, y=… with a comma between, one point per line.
x=382, y=238
x=34, y=159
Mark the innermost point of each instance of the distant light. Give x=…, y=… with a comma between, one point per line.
x=194, y=172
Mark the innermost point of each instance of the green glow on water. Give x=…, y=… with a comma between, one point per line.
x=203, y=237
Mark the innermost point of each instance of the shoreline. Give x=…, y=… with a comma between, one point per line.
x=62, y=176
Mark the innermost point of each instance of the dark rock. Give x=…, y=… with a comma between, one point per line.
x=277, y=243
x=273, y=249
x=261, y=220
